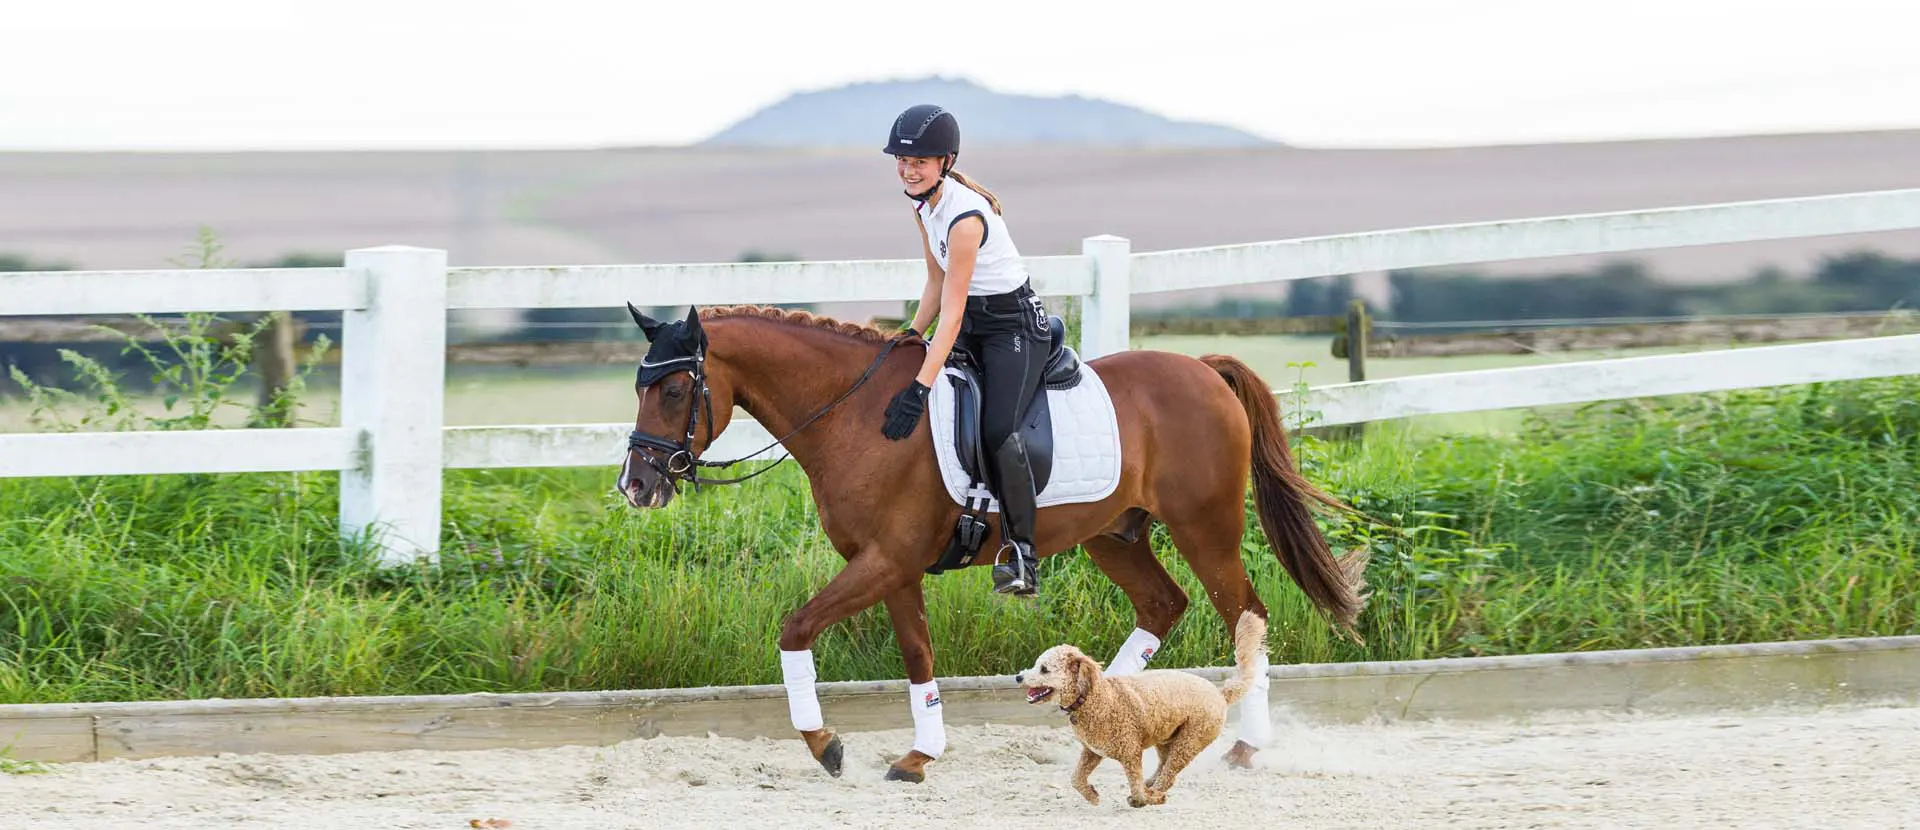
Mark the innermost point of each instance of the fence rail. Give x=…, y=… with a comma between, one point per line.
x=51, y=293
x=393, y=442
x=1644, y=335
x=1617, y=379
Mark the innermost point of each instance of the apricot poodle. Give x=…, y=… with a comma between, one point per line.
x=1177, y=713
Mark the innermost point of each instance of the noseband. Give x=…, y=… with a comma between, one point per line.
x=681, y=462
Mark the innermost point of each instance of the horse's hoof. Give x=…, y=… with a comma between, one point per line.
x=832, y=756
x=894, y=773
x=1241, y=755
x=826, y=749
x=910, y=768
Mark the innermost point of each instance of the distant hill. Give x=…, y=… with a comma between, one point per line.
x=858, y=115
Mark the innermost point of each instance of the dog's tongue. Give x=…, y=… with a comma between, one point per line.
x=1036, y=695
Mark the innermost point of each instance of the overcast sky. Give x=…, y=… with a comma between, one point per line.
x=139, y=74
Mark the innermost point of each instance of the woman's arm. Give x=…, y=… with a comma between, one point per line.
x=929, y=307
x=949, y=290
x=963, y=245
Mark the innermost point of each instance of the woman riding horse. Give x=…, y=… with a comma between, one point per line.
x=1193, y=433
x=976, y=277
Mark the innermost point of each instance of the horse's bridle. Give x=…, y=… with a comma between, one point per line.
x=681, y=461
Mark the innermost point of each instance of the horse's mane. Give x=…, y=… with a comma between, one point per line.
x=798, y=318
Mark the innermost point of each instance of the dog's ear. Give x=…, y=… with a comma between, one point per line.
x=1085, y=671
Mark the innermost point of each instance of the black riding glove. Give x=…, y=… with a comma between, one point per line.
x=905, y=410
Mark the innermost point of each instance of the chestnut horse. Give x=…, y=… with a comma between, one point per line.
x=1192, y=432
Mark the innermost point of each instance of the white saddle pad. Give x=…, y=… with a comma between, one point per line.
x=1086, y=443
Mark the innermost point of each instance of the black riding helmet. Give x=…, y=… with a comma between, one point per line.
x=925, y=130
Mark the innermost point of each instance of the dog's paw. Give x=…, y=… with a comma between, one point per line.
x=1091, y=796
x=1152, y=797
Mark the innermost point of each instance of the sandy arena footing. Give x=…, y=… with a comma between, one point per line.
x=1841, y=766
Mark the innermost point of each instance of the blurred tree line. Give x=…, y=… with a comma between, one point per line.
x=1861, y=281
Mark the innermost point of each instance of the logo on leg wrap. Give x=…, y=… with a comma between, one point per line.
x=932, y=700
x=1146, y=654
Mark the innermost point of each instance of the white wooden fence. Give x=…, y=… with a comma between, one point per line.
x=393, y=442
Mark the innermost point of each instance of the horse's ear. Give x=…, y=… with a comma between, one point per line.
x=693, y=324
x=648, y=325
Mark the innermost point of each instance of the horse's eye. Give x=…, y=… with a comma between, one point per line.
x=676, y=392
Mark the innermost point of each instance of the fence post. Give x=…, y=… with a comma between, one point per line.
x=1106, y=315
x=392, y=397
x=273, y=359
x=1358, y=333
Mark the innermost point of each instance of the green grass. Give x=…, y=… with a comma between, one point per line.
x=1755, y=516
x=15, y=766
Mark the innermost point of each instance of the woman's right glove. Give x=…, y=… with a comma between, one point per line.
x=905, y=411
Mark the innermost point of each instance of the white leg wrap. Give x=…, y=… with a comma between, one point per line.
x=796, y=669
x=929, y=722
x=1134, y=653
x=1256, y=722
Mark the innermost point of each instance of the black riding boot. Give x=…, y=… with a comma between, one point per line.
x=1015, y=568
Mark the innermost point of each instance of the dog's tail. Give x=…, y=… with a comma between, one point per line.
x=1249, y=642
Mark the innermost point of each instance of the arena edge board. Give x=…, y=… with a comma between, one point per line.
x=1814, y=672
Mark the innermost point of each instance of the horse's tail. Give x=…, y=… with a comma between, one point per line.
x=1284, y=499
x=1249, y=645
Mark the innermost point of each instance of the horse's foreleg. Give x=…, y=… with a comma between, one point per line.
x=1157, y=600
x=859, y=585
x=907, y=608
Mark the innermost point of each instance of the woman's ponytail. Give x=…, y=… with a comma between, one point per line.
x=975, y=186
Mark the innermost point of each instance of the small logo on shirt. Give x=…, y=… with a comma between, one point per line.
x=943, y=247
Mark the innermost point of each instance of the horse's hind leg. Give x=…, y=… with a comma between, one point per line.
x=1212, y=549
x=907, y=608
x=1157, y=600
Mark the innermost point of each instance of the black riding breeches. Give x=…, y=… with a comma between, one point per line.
x=1008, y=335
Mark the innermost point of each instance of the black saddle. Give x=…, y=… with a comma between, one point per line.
x=1062, y=371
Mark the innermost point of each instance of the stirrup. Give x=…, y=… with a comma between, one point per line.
x=1020, y=575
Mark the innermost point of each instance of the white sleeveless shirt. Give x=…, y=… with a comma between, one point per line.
x=997, y=268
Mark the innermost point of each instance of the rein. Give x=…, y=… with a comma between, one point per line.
x=682, y=462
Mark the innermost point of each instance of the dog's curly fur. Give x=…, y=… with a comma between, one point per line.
x=1119, y=717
